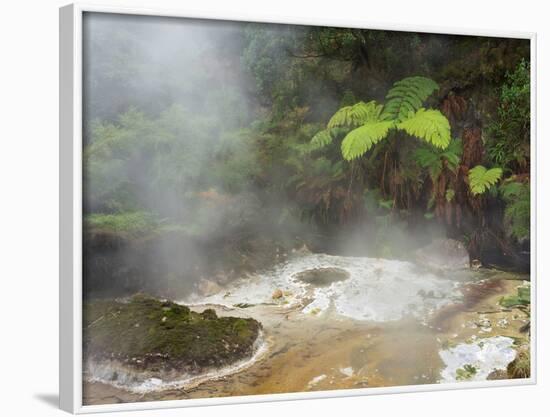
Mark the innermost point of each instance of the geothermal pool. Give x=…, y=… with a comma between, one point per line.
x=334, y=322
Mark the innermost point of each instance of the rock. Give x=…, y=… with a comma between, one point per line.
x=475, y=264
x=278, y=293
x=207, y=287
x=304, y=250
x=497, y=374
x=446, y=254
x=176, y=340
x=503, y=323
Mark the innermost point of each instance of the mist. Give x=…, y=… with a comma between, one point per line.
x=166, y=106
x=197, y=169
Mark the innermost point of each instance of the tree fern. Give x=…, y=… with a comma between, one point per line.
x=481, y=178
x=453, y=153
x=321, y=139
x=429, y=125
x=371, y=122
x=325, y=137
x=406, y=97
x=432, y=158
x=360, y=140
x=356, y=115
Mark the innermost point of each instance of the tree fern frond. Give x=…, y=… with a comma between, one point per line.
x=361, y=139
x=321, y=139
x=406, y=97
x=453, y=153
x=426, y=157
x=356, y=115
x=482, y=178
x=325, y=137
x=429, y=125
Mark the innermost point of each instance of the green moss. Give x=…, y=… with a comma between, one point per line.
x=148, y=331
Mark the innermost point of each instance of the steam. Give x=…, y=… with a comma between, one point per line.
x=181, y=92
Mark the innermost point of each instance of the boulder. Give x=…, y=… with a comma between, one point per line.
x=443, y=254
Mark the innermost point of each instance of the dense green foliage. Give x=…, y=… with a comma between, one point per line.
x=508, y=146
x=517, y=215
x=236, y=130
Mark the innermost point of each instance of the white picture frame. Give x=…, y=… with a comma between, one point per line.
x=70, y=206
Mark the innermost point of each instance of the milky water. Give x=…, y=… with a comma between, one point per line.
x=376, y=290
x=484, y=355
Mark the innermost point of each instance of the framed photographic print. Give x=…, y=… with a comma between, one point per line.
x=259, y=210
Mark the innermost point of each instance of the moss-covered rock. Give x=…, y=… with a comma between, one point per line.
x=149, y=334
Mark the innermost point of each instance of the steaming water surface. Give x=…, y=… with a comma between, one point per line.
x=377, y=289
x=380, y=322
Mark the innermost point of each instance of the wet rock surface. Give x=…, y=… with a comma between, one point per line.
x=443, y=254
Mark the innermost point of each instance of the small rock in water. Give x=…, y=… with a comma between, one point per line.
x=278, y=293
x=497, y=374
x=475, y=264
x=484, y=322
x=347, y=371
x=502, y=323
x=444, y=254
x=207, y=287
x=316, y=380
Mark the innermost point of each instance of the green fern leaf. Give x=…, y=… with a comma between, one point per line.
x=453, y=153
x=361, y=139
x=324, y=138
x=481, y=178
x=356, y=115
x=426, y=157
x=429, y=125
x=321, y=139
x=406, y=97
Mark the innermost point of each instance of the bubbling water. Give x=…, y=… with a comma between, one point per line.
x=368, y=289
